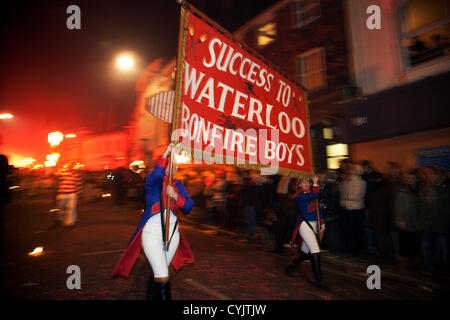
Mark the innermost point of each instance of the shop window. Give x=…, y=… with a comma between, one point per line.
x=335, y=154
x=311, y=69
x=267, y=34
x=425, y=29
x=305, y=11
x=327, y=133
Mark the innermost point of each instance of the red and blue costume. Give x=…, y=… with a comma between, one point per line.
x=152, y=207
x=306, y=202
x=308, y=241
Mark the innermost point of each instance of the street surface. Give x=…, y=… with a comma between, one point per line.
x=224, y=268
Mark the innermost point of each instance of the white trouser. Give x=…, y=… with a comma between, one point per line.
x=152, y=243
x=68, y=203
x=309, y=244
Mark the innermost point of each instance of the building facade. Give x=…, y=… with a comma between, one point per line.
x=402, y=73
x=149, y=136
x=308, y=40
x=107, y=150
x=374, y=94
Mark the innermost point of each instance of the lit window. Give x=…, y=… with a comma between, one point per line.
x=267, y=34
x=327, y=133
x=335, y=154
x=334, y=163
x=311, y=69
x=305, y=11
x=338, y=149
x=425, y=28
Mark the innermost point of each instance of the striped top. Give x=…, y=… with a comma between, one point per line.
x=161, y=105
x=69, y=182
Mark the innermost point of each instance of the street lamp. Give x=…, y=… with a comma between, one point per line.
x=125, y=62
x=6, y=116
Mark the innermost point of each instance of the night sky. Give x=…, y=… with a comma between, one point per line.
x=53, y=78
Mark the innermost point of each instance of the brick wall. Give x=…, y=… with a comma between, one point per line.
x=328, y=31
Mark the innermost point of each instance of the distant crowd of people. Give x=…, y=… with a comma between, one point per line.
x=368, y=214
x=394, y=216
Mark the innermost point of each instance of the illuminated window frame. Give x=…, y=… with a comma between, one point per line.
x=302, y=8
x=327, y=133
x=412, y=58
x=303, y=76
x=335, y=154
x=267, y=33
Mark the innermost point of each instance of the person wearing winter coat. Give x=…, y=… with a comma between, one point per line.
x=406, y=203
x=434, y=219
x=352, y=192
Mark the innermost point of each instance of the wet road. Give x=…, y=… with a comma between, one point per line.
x=224, y=268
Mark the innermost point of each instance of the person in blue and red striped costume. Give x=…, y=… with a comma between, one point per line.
x=68, y=191
x=149, y=233
x=306, y=227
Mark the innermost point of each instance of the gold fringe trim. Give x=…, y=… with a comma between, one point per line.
x=232, y=161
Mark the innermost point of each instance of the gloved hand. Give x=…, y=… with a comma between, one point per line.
x=172, y=193
x=168, y=150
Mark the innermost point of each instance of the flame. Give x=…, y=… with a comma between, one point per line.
x=37, y=252
x=203, y=38
x=78, y=166
x=191, y=30
x=53, y=157
x=106, y=195
x=182, y=158
x=22, y=163
x=139, y=163
x=50, y=163
x=55, y=138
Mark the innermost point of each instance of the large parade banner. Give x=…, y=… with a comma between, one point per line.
x=233, y=108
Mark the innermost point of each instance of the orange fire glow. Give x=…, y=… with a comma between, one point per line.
x=49, y=163
x=6, y=116
x=37, y=252
x=23, y=162
x=55, y=138
x=53, y=157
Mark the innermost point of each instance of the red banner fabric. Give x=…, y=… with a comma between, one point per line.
x=237, y=110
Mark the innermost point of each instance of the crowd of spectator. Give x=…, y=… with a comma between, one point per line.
x=395, y=217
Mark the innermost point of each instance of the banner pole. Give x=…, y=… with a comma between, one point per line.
x=311, y=159
x=177, y=103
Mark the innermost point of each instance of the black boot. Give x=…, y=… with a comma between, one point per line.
x=315, y=264
x=162, y=291
x=151, y=293
x=295, y=262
